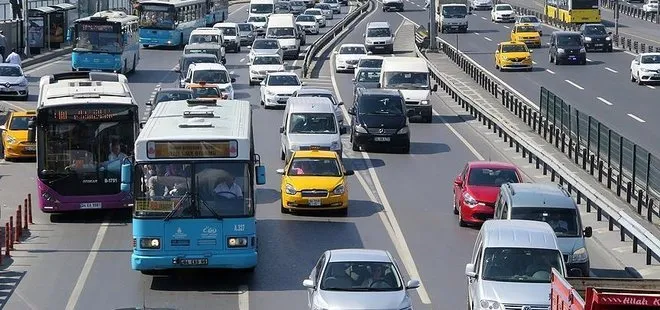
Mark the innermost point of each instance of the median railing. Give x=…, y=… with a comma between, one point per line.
x=581, y=155
x=321, y=43
x=626, y=9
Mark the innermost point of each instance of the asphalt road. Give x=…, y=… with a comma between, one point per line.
x=400, y=203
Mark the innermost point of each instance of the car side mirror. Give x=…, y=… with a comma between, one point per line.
x=497, y=52
x=263, y=83
x=343, y=130
x=147, y=103
x=142, y=124
x=308, y=283
x=349, y=172
x=3, y=127
x=636, y=62
x=335, y=52
x=340, y=103
x=410, y=113
x=435, y=88
x=412, y=284
x=280, y=171
x=249, y=47
x=369, y=52
x=353, y=80
x=575, y=272
x=351, y=111
x=588, y=232
x=469, y=271
x=458, y=181
x=531, y=51
x=282, y=129
x=176, y=69
x=303, y=84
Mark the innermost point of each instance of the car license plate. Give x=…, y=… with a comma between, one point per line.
x=194, y=261
x=6, y=90
x=30, y=148
x=382, y=139
x=599, y=44
x=314, y=202
x=90, y=205
x=454, y=27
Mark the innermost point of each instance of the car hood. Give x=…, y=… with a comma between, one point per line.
x=510, y=12
x=12, y=79
x=19, y=135
x=415, y=94
x=568, y=245
x=244, y=33
x=516, y=293
x=357, y=300
x=314, y=182
x=650, y=66
x=283, y=89
x=272, y=51
x=269, y=68
x=382, y=121
x=313, y=139
x=366, y=84
x=319, y=17
x=516, y=55
x=487, y=194
x=571, y=47
x=287, y=41
x=345, y=57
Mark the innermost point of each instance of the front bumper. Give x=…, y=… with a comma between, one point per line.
x=598, y=46
x=420, y=110
x=276, y=101
x=385, y=47
x=483, y=6
x=649, y=76
x=368, y=140
x=311, y=29
x=477, y=214
x=508, y=19
x=20, y=150
x=243, y=260
x=331, y=202
x=572, y=57
x=345, y=66
x=158, y=42
x=14, y=91
x=458, y=28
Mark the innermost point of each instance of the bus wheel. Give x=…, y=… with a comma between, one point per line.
x=134, y=63
x=182, y=44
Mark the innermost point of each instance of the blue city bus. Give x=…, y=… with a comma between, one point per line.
x=169, y=23
x=217, y=11
x=195, y=176
x=106, y=41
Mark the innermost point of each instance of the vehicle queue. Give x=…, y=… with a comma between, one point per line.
x=389, y=92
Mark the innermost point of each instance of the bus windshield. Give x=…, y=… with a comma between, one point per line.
x=193, y=190
x=82, y=147
x=157, y=17
x=97, y=37
x=261, y=8
x=407, y=80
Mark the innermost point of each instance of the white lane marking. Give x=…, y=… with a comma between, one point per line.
x=576, y=85
x=550, y=71
x=637, y=118
x=604, y=101
x=87, y=268
x=18, y=108
x=476, y=33
x=243, y=297
x=242, y=60
x=611, y=70
x=589, y=60
x=507, y=27
x=483, y=18
x=240, y=9
x=488, y=39
x=651, y=87
x=630, y=53
x=534, y=62
x=387, y=217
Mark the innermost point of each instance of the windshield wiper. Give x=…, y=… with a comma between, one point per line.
x=208, y=208
x=176, y=208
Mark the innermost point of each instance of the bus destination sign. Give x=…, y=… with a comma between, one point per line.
x=94, y=27
x=90, y=114
x=196, y=149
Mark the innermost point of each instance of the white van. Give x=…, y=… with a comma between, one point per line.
x=261, y=7
x=309, y=121
x=410, y=75
x=231, y=35
x=283, y=28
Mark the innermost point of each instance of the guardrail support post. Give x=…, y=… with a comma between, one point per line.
x=640, y=196
x=599, y=214
x=30, y=208
x=577, y=153
x=588, y=205
x=618, y=185
x=584, y=159
x=570, y=147
x=578, y=195
x=609, y=177
x=538, y=162
x=545, y=169
x=25, y=216
x=7, y=240
x=610, y=223
x=552, y=175
x=600, y=171
x=623, y=233
x=649, y=211
x=10, y=236
x=635, y=244
x=648, y=257
x=629, y=190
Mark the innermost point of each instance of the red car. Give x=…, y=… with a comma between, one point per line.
x=476, y=189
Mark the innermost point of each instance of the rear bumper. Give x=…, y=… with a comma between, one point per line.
x=607, y=46
x=226, y=260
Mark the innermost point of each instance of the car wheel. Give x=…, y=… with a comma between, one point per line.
x=355, y=147
x=639, y=79
x=461, y=223
x=282, y=155
x=453, y=202
x=283, y=209
x=632, y=77
x=557, y=61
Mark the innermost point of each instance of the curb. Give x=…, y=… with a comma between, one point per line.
x=633, y=272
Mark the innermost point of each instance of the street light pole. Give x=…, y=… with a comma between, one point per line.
x=433, y=27
x=26, y=26
x=616, y=18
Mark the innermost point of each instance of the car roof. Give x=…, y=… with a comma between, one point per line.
x=593, y=24
x=312, y=9
x=197, y=85
x=503, y=4
x=199, y=55
x=539, y=194
x=265, y=39
x=518, y=234
x=207, y=66
x=202, y=45
x=565, y=33
x=286, y=73
x=225, y=25
x=23, y=113
x=650, y=54
x=527, y=16
x=491, y=164
x=315, y=154
x=359, y=255
x=351, y=45
x=310, y=105
x=379, y=91
x=512, y=43
x=310, y=90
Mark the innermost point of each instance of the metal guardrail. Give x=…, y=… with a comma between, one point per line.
x=620, y=41
x=335, y=31
x=544, y=127
x=631, y=10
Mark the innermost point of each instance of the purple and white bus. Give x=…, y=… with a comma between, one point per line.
x=85, y=131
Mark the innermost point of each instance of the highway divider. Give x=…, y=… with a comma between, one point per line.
x=17, y=229
x=620, y=41
x=529, y=113
x=363, y=7
x=630, y=10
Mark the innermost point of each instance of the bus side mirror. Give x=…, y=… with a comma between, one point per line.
x=435, y=88
x=31, y=134
x=126, y=176
x=142, y=124
x=233, y=80
x=378, y=85
x=261, y=174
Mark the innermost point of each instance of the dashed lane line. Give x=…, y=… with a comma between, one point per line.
x=604, y=101
x=574, y=84
x=549, y=71
x=611, y=70
x=637, y=118
x=488, y=39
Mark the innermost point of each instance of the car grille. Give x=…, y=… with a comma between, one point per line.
x=379, y=42
x=506, y=15
x=517, y=59
x=386, y=131
x=322, y=148
x=519, y=306
x=284, y=95
x=314, y=193
x=352, y=62
x=412, y=103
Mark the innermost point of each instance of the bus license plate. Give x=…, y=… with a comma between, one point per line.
x=314, y=202
x=382, y=139
x=90, y=205
x=194, y=261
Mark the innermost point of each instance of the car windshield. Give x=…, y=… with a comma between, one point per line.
x=286, y=32
x=315, y=166
x=572, y=40
x=306, y=18
x=210, y=76
x=265, y=44
x=267, y=60
x=407, y=80
x=228, y=31
x=514, y=48
x=20, y=122
x=368, y=76
x=352, y=50
x=381, y=105
x=201, y=51
x=651, y=59
x=283, y=80
x=205, y=92
x=323, y=6
x=10, y=71
x=204, y=38
x=454, y=11
x=361, y=276
x=245, y=27
x=595, y=30
x=525, y=29
x=196, y=60
x=504, y=7
x=378, y=32
x=297, y=3
x=563, y=221
x=491, y=177
x=172, y=96
x=321, y=95
x=529, y=19
x=312, y=123
x=257, y=19
x=313, y=12
x=329, y=1
x=370, y=63
x=520, y=264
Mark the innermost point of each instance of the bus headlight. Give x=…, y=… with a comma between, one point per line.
x=150, y=243
x=237, y=242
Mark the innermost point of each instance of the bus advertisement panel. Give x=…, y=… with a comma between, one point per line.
x=170, y=23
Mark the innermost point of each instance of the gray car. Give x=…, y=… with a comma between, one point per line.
x=13, y=82
x=366, y=78
x=247, y=34
x=265, y=47
x=297, y=7
x=374, y=282
x=321, y=92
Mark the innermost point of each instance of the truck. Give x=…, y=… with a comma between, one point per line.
x=576, y=293
x=451, y=15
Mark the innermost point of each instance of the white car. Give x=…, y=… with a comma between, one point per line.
x=645, y=68
x=212, y=74
x=259, y=23
x=348, y=55
x=14, y=82
x=326, y=10
x=334, y=4
x=320, y=18
x=308, y=23
x=651, y=6
x=375, y=62
x=262, y=65
x=265, y=47
x=231, y=36
x=278, y=87
x=530, y=19
x=502, y=13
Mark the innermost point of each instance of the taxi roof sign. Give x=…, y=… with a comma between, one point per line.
x=200, y=101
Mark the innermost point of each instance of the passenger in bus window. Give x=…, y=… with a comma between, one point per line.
x=115, y=151
x=229, y=189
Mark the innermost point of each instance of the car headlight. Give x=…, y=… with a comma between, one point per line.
x=150, y=243
x=339, y=190
x=360, y=129
x=254, y=71
x=403, y=131
x=489, y=304
x=424, y=102
x=644, y=70
x=470, y=201
x=587, y=39
x=583, y=50
x=237, y=242
x=11, y=140
x=23, y=83
x=560, y=50
x=608, y=39
x=269, y=93
x=579, y=256
x=289, y=189
x=335, y=146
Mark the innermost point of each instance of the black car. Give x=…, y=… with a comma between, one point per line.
x=567, y=47
x=379, y=119
x=187, y=59
x=596, y=37
x=169, y=94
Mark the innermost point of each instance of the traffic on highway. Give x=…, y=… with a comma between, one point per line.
x=183, y=160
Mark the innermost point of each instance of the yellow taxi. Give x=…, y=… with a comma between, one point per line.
x=314, y=180
x=15, y=142
x=527, y=34
x=513, y=55
x=203, y=90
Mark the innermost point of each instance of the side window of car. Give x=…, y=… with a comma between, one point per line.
x=477, y=261
x=318, y=269
x=505, y=210
x=498, y=206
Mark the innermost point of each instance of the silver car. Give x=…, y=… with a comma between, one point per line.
x=334, y=4
x=298, y=7
x=246, y=31
x=265, y=47
x=321, y=92
x=13, y=82
x=357, y=279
